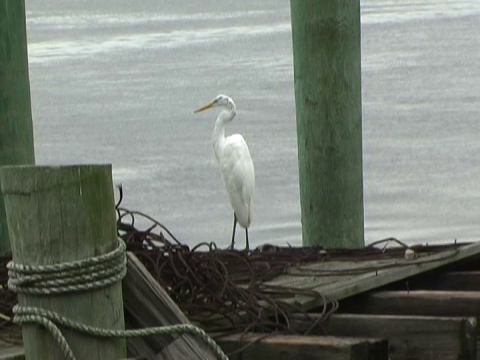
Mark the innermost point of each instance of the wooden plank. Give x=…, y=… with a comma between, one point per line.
x=146, y=305
x=10, y=343
x=372, y=274
x=421, y=302
x=62, y=214
x=11, y=352
x=331, y=272
x=409, y=337
x=451, y=280
x=303, y=347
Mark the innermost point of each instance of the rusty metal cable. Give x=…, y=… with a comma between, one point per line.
x=223, y=291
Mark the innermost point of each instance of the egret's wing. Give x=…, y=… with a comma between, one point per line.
x=239, y=176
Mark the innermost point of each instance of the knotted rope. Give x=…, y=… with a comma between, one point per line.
x=82, y=275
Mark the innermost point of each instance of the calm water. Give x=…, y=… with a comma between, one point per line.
x=117, y=81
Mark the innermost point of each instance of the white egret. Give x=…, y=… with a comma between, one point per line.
x=235, y=164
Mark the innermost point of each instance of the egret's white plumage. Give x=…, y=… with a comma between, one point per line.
x=235, y=164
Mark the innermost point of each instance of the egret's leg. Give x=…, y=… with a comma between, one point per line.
x=246, y=238
x=233, y=232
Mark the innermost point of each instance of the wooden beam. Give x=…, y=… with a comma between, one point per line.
x=148, y=305
x=10, y=343
x=421, y=302
x=409, y=337
x=451, y=280
x=303, y=347
x=339, y=286
x=63, y=214
x=11, y=352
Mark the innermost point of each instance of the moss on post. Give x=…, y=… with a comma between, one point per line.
x=63, y=214
x=16, y=133
x=327, y=74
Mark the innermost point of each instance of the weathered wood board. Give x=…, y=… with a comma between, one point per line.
x=11, y=352
x=304, y=347
x=418, y=302
x=446, y=280
x=342, y=279
x=409, y=337
x=146, y=305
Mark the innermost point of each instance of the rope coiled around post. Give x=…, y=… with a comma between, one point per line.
x=76, y=276
x=81, y=275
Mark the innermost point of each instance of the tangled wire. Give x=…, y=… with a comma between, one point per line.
x=223, y=291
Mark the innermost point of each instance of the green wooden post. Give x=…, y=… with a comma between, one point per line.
x=60, y=214
x=327, y=75
x=16, y=133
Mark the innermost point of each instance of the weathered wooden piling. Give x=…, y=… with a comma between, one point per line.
x=63, y=214
x=16, y=132
x=327, y=75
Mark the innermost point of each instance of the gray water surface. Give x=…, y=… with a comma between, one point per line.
x=117, y=82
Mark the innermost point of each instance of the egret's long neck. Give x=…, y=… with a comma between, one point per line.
x=218, y=136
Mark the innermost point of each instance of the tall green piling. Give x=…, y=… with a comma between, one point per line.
x=327, y=75
x=16, y=132
x=57, y=215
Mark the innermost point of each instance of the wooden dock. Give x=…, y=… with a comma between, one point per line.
x=397, y=308
x=425, y=308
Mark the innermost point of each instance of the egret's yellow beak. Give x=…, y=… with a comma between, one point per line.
x=205, y=107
